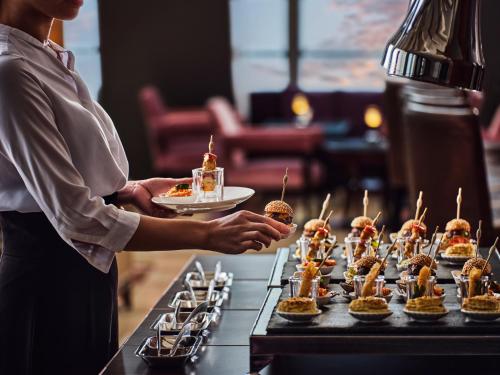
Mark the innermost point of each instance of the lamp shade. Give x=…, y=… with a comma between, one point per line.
x=439, y=42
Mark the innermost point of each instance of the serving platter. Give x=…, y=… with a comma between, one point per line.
x=232, y=196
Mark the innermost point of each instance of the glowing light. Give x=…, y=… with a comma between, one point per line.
x=300, y=105
x=373, y=117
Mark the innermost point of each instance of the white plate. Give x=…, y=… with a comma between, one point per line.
x=232, y=196
x=298, y=317
x=369, y=317
x=425, y=316
x=455, y=259
x=481, y=316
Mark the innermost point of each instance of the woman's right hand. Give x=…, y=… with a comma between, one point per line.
x=244, y=230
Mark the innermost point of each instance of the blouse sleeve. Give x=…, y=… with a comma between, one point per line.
x=30, y=139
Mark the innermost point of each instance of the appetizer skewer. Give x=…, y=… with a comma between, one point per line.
x=369, y=231
x=280, y=210
x=417, y=232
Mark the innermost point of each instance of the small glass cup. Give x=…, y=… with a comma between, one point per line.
x=359, y=281
x=481, y=287
x=304, y=247
x=414, y=291
x=401, y=249
x=208, y=186
x=351, y=243
x=296, y=282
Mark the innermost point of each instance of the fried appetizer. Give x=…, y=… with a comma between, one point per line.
x=367, y=289
x=179, y=190
x=279, y=211
x=425, y=304
x=474, y=287
x=319, y=237
x=417, y=231
x=368, y=232
x=312, y=226
x=369, y=304
x=298, y=305
x=482, y=303
x=307, y=277
x=476, y=263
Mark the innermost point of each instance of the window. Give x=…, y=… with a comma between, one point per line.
x=81, y=36
x=339, y=44
x=259, y=41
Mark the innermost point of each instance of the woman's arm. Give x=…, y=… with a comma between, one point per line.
x=232, y=234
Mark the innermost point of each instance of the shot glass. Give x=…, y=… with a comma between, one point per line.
x=296, y=284
x=208, y=186
x=479, y=288
x=414, y=291
x=401, y=249
x=304, y=247
x=351, y=243
x=359, y=281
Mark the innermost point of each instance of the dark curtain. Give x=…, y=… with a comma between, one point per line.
x=181, y=46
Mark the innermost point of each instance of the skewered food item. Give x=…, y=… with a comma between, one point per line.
x=179, y=190
x=313, y=225
x=369, y=231
x=417, y=231
x=280, y=211
x=208, y=181
x=423, y=277
x=457, y=232
x=369, y=304
x=319, y=237
x=416, y=263
x=369, y=283
x=476, y=263
x=317, y=262
x=362, y=267
x=482, y=303
x=406, y=228
x=358, y=224
x=307, y=277
x=425, y=304
x=474, y=287
x=298, y=305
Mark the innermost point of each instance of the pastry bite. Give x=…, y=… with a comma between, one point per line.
x=179, y=190
x=298, y=305
x=482, y=303
x=369, y=304
x=426, y=304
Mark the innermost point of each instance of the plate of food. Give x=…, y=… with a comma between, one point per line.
x=483, y=308
x=425, y=309
x=298, y=309
x=369, y=309
x=188, y=204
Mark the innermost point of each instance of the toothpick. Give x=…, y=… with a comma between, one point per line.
x=419, y=205
x=328, y=219
x=459, y=202
x=489, y=255
x=421, y=220
x=211, y=145
x=432, y=259
x=327, y=254
x=365, y=203
x=376, y=218
x=285, y=181
x=326, y=202
x=389, y=251
x=433, y=239
x=478, y=237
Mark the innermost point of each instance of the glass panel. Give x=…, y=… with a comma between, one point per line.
x=341, y=74
x=253, y=74
x=81, y=36
x=349, y=24
x=259, y=25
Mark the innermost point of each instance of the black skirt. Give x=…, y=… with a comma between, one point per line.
x=58, y=314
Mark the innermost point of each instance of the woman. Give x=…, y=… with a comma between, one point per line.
x=63, y=172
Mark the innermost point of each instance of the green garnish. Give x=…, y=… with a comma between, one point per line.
x=181, y=186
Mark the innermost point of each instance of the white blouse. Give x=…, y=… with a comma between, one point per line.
x=59, y=150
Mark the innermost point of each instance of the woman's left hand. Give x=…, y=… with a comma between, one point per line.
x=139, y=194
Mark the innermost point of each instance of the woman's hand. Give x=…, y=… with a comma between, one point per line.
x=139, y=194
x=243, y=230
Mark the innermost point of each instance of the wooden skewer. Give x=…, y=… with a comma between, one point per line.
x=421, y=220
x=328, y=219
x=419, y=205
x=433, y=239
x=211, y=145
x=327, y=254
x=478, y=236
x=376, y=218
x=489, y=255
x=389, y=251
x=365, y=203
x=433, y=257
x=459, y=202
x=326, y=202
x=379, y=238
x=285, y=181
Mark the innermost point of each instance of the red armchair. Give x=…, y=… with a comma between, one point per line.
x=177, y=138
x=257, y=157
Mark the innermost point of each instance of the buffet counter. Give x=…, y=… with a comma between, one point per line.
x=249, y=336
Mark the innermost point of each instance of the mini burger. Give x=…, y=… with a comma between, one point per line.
x=406, y=228
x=456, y=239
x=416, y=263
x=313, y=225
x=476, y=263
x=362, y=266
x=358, y=224
x=279, y=211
